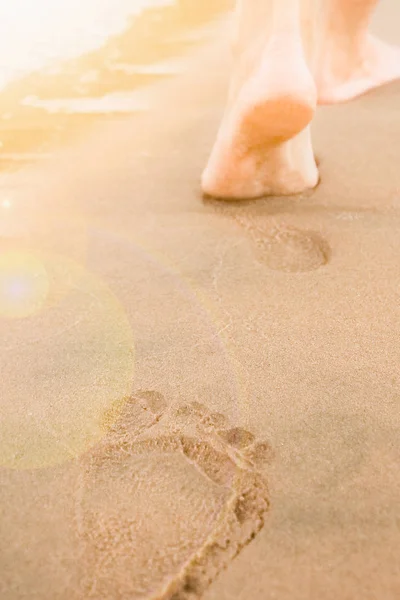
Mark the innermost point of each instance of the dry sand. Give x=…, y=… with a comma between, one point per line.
x=202, y=400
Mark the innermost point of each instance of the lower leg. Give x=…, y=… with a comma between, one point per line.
x=351, y=60
x=263, y=145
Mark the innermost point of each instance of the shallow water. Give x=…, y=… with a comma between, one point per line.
x=44, y=32
x=68, y=65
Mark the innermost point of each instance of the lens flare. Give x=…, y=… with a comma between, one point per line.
x=24, y=285
x=66, y=369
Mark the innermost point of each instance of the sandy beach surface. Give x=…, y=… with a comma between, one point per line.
x=198, y=399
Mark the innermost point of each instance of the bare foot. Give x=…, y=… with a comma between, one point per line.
x=345, y=75
x=263, y=146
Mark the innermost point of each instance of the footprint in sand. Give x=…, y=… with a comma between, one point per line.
x=167, y=500
x=292, y=250
x=284, y=248
x=280, y=247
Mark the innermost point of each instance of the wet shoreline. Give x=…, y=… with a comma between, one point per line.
x=148, y=50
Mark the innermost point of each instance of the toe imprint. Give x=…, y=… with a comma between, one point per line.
x=237, y=437
x=153, y=400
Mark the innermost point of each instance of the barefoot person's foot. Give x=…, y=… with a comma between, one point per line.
x=263, y=146
x=351, y=60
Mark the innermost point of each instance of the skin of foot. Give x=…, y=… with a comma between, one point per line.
x=351, y=60
x=263, y=146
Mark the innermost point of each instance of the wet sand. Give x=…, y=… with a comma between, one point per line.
x=50, y=107
x=201, y=399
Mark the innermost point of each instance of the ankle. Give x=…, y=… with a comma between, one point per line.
x=346, y=31
x=343, y=50
x=349, y=17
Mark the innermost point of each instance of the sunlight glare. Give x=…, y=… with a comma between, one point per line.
x=24, y=285
x=35, y=34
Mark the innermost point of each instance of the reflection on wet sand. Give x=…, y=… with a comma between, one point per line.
x=46, y=108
